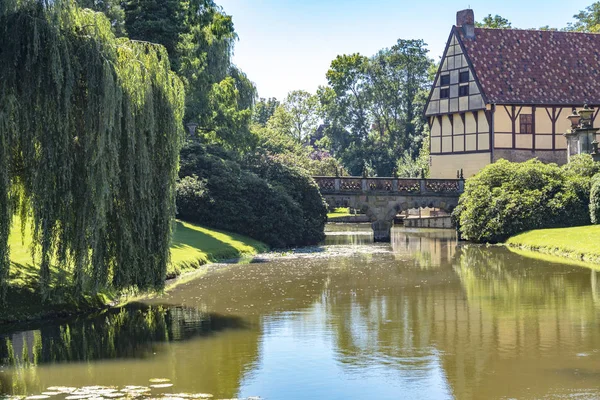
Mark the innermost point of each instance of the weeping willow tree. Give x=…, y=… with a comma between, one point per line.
x=90, y=132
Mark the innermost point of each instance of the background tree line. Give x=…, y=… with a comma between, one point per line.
x=587, y=20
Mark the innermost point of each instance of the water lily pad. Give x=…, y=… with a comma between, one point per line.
x=161, y=385
x=37, y=397
x=159, y=380
x=78, y=397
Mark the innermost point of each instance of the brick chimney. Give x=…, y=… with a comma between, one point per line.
x=465, y=20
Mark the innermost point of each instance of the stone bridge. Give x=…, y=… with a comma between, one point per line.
x=382, y=198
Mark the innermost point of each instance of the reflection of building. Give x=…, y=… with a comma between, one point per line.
x=429, y=247
x=506, y=93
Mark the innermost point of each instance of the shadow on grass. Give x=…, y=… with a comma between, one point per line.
x=193, y=246
x=186, y=238
x=126, y=332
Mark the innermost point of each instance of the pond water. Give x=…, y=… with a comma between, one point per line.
x=421, y=318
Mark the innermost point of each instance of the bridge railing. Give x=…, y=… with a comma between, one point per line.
x=354, y=185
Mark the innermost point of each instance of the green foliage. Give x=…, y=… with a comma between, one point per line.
x=409, y=168
x=229, y=126
x=582, y=165
x=199, y=39
x=495, y=22
x=273, y=142
x=374, y=106
x=587, y=20
x=299, y=185
x=82, y=116
x=264, y=110
x=265, y=200
x=595, y=200
x=508, y=198
x=303, y=110
x=113, y=11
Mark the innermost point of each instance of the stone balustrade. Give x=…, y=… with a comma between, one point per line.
x=379, y=186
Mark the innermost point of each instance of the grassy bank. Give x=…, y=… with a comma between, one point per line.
x=339, y=212
x=578, y=243
x=192, y=247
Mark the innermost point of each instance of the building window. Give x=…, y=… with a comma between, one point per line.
x=463, y=90
x=526, y=122
x=463, y=77
x=444, y=93
x=445, y=80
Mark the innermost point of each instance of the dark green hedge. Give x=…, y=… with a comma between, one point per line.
x=278, y=205
x=595, y=200
x=507, y=198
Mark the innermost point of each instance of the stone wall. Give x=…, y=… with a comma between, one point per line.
x=559, y=156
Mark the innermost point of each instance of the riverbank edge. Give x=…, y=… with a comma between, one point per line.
x=547, y=242
x=183, y=272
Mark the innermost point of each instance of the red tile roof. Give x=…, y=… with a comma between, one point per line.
x=536, y=67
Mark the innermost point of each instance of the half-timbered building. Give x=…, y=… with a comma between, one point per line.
x=506, y=93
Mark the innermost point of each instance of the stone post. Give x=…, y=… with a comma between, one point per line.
x=422, y=186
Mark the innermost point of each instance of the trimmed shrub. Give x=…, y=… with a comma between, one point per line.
x=582, y=165
x=508, y=198
x=277, y=205
x=595, y=200
x=300, y=186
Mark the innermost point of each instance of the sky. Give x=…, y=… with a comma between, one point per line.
x=287, y=45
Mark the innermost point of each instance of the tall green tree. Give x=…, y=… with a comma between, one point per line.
x=82, y=117
x=264, y=110
x=373, y=106
x=345, y=101
x=303, y=109
x=199, y=38
x=113, y=11
x=587, y=20
x=495, y=22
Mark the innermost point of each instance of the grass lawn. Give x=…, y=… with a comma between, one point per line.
x=192, y=247
x=579, y=243
x=339, y=212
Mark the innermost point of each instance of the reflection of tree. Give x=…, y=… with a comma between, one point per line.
x=131, y=332
x=386, y=311
x=127, y=332
x=520, y=315
x=490, y=317
x=504, y=282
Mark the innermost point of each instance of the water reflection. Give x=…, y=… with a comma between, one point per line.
x=348, y=234
x=430, y=248
x=426, y=319
x=137, y=332
x=128, y=332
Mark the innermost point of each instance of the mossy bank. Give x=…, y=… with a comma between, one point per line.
x=578, y=243
x=192, y=247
